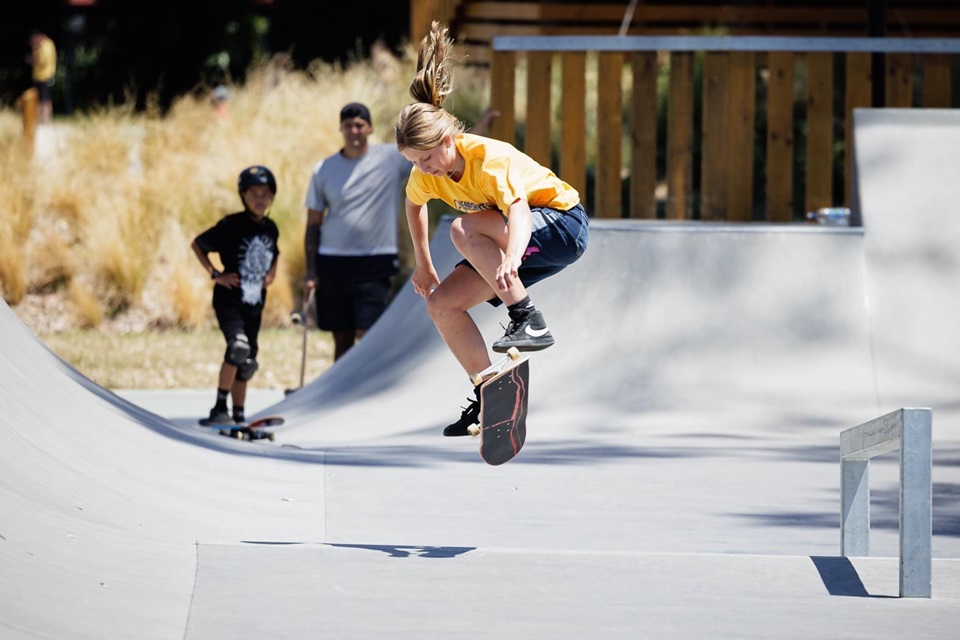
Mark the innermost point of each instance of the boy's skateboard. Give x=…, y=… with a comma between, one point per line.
x=250, y=430
x=503, y=409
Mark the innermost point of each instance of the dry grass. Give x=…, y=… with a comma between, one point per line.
x=174, y=359
x=99, y=227
x=116, y=206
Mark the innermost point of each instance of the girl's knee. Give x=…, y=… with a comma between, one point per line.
x=459, y=234
x=437, y=304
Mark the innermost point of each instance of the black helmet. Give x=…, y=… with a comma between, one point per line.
x=257, y=174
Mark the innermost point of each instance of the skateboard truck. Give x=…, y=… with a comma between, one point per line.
x=250, y=430
x=513, y=354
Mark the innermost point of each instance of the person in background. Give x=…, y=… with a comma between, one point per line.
x=353, y=205
x=519, y=222
x=247, y=245
x=43, y=60
x=220, y=99
x=350, y=245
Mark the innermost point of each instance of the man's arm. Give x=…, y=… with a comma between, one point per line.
x=311, y=243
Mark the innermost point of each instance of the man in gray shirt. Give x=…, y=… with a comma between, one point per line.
x=353, y=207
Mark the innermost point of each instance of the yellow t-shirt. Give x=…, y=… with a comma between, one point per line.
x=45, y=61
x=495, y=175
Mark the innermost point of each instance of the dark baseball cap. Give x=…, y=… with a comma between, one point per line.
x=355, y=110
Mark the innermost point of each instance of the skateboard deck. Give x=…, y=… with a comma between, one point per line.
x=301, y=318
x=503, y=411
x=250, y=430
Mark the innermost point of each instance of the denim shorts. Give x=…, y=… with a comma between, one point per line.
x=558, y=240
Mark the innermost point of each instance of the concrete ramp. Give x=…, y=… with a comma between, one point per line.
x=727, y=327
x=680, y=478
x=908, y=184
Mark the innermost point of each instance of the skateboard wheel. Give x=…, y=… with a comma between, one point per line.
x=513, y=353
x=238, y=434
x=476, y=379
x=473, y=430
x=272, y=437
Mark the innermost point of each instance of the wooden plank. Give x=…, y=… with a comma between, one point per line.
x=423, y=12
x=763, y=16
x=714, y=161
x=609, y=145
x=819, y=161
x=680, y=137
x=643, y=138
x=537, y=143
x=857, y=95
x=476, y=55
x=698, y=14
x=539, y=11
x=740, y=135
x=503, y=94
x=899, y=80
x=780, y=148
x=609, y=202
x=936, y=81
x=573, y=129
x=477, y=39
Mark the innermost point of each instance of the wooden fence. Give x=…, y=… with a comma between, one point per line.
x=756, y=128
x=477, y=22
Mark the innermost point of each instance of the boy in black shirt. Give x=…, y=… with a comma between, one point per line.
x=247, y=244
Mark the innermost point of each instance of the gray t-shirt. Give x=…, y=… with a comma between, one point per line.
x=362, y=197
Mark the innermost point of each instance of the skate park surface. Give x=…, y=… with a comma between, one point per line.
x=680, y=479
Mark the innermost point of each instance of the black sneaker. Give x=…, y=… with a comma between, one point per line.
x=217, y=416
x=529, y=333
x=470, y=416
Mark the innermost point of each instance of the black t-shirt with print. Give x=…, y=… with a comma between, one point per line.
x=247, y=247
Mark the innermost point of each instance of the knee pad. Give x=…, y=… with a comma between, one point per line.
x=237, y=351
x=246, y=370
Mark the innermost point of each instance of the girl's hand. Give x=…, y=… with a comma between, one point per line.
x=424, y=281
x=507, y=272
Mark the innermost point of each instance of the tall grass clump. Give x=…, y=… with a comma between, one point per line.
x=15, y=224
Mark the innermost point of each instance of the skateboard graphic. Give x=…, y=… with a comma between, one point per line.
x=250, y=430
x=503, y=408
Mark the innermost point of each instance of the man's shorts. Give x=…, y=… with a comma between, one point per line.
x=558, y=240
x=347, y=303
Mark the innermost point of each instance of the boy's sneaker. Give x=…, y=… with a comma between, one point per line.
x=529, y=333
x=470, y=415
x=217, y=416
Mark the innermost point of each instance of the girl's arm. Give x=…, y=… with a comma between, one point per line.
x=519, y=228
x=424, y=276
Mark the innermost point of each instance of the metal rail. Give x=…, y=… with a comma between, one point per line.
x=908, y=430
x=725, y=43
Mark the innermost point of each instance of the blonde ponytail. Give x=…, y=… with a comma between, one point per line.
x=424, y=124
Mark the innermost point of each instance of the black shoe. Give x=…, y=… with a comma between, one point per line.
x=470, y=416
x=217, y=416
x=528, y=333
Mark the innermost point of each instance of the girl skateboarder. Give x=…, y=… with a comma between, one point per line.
x=520, y=223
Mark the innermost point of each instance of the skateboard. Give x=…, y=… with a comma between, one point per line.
x=250, y=430
x=301, y=317
x=503, y=408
